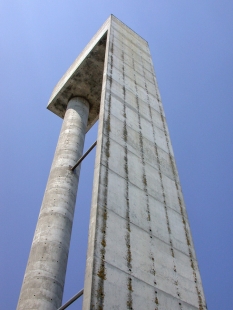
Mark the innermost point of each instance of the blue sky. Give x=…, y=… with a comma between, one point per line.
x=191, y=44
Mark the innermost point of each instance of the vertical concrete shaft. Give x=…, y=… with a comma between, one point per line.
x=140, y=250
x=45, y=273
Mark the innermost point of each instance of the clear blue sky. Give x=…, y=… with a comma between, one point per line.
x=191, y=44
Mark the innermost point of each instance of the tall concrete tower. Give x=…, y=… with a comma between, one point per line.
x=140, y=251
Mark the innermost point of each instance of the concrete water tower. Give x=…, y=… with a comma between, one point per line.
x=140, y=250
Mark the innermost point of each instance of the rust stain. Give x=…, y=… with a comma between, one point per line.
x=101, y=273
x=129, y=302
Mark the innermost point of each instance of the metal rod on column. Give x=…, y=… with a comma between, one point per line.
x=84, y=155
x=69, y=302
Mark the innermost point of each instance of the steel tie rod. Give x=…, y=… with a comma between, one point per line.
x=69, y=302
x=84, y=155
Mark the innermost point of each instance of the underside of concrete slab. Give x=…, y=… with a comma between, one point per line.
x=83, y=79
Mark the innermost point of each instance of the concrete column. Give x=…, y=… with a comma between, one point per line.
x=45, y=273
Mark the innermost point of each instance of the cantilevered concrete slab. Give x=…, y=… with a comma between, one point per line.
x=83, y=78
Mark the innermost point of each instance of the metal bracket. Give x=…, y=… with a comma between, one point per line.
x=69, y=302
x=82, y=158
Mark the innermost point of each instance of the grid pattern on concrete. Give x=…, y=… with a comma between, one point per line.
x=140, y=252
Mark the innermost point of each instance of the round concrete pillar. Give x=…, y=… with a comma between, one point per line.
x=45, y=273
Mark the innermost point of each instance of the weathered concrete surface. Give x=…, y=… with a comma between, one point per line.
x=140, y=251
x=45, y=273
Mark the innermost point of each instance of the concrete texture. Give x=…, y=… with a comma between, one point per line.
x=45, y=273
x=140, y=251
